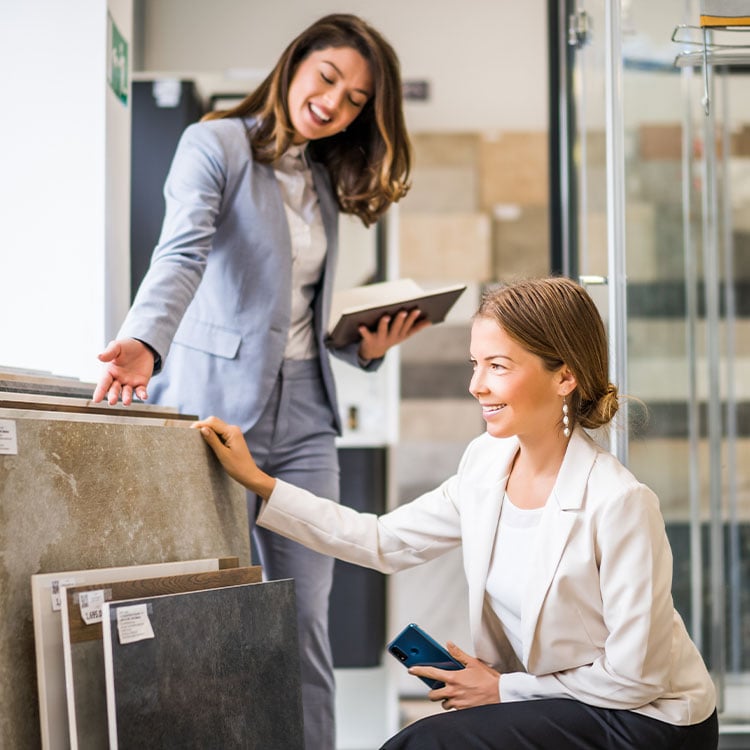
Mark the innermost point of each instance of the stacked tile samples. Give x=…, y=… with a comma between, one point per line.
x=48, y=597
x=84, y=487
x=82, y=636
x=216, y=668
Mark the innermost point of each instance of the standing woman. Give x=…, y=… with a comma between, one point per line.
x=233, y=311
x=577, y=642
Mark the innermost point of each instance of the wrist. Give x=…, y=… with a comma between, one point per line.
x=155, y=354
x=262, y=484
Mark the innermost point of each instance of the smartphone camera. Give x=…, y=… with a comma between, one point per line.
x=398, y=653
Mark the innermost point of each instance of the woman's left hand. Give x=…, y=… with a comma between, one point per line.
x=475, y=685
x=389, y=332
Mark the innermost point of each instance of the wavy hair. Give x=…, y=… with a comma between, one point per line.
x=369, y=163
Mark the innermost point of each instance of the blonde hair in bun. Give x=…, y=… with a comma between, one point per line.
x=557, y=320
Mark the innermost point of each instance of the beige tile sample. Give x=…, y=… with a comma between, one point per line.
x=520, y=242
x=445, y=175
x=90, y=491
x=514, y=169
x=443, y=419
x=445, y=246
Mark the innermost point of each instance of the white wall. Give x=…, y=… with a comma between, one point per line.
x=486, y=60
x=57, y=210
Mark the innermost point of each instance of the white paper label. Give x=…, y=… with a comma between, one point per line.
x=133, y=624
x=91, y=605
x=8, y=440
x=57, y=587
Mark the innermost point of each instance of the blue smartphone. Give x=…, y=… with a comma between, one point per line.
x=413, y=647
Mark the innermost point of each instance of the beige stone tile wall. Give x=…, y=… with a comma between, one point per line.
x=514, y=169
x=520, y=241
x=445, y=246
x=477, y=210
x=662, y=464
x=440, y=420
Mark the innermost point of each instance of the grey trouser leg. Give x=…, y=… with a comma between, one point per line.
x=294, y=440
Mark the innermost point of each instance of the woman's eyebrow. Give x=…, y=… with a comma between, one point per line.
x=491, y=356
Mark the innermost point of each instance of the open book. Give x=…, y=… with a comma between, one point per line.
x=365, y=305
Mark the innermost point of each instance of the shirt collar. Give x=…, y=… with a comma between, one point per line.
x=295, y=156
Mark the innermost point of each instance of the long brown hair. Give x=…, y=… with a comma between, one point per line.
x=369, y=162
x=557, y=320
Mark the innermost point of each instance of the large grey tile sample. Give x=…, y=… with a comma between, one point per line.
x=48, y=601
x=82, y=642
x=91, y=490
x=221, y=671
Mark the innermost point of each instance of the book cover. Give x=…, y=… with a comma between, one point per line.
x=365, y=305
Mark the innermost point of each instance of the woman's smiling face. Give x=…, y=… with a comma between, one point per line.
x=518, y=394
x=329, y=89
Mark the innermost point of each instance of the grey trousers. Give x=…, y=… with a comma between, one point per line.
x=294, y=440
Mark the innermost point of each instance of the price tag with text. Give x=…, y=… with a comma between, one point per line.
x=90, y=603
x=133, y=624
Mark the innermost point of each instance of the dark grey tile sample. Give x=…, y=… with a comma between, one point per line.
x=664, y=419
x=84, y=662
x=222, y=671
x=667, y=299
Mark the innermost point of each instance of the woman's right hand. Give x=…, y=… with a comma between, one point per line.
x=130, y=364
x=228, y=443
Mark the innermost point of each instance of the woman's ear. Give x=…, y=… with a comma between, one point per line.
x=567, y=381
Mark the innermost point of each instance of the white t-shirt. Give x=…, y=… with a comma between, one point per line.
x=509, y=567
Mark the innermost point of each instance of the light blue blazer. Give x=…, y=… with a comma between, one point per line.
x=216, y=301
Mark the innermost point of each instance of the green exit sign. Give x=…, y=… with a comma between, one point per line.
x=117, y=61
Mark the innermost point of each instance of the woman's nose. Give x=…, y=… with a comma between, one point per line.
x=334, y=97
x=476, y=384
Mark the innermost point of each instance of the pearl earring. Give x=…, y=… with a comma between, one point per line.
x=566, y=418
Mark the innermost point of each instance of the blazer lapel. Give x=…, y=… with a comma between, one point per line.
x=556, y=524
x=481, y=529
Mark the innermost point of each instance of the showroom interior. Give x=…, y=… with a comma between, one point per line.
x=604, y=140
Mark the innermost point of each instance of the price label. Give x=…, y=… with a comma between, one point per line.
x=57, y=591
x=8, y=438
x=91, y=603
x=133, y=624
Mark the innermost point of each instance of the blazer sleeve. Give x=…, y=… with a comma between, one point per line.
x=635, y=568
x=411, y=534
x=193, y=193
x=350, y=354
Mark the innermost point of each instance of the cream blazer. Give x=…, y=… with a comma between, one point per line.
x=598, y=622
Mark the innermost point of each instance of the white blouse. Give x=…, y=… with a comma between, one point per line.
x=308, y=247
x=509, y=567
